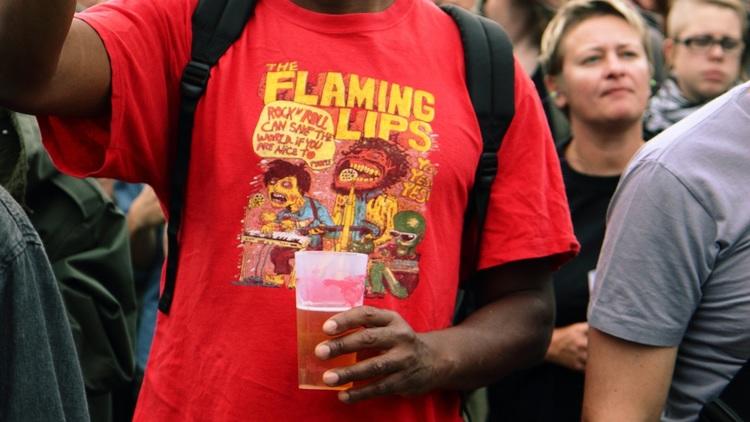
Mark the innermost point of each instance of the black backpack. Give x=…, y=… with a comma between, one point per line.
x=732, y=405
x=488, y=55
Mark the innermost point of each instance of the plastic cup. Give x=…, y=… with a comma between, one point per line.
x=327, y=283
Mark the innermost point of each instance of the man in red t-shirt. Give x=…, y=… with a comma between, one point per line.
x=368, y=100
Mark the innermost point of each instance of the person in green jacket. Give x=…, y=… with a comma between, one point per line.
x=86, y=239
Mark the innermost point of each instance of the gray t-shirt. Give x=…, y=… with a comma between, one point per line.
x=675, y=265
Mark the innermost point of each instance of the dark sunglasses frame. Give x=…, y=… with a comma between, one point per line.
x=705, y=42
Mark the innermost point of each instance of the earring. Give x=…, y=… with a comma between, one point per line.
x=652, y=82
x=553, y=94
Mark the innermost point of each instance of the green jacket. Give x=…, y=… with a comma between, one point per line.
x=86, y=240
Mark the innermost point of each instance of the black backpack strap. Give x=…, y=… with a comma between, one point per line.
x=216, y=25
x=490, y=79
x=732, y=405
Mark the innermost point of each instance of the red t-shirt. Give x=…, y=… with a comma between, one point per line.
x=335, y=132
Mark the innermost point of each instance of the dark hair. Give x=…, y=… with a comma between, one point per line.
x=279, y=169
x=395, y=155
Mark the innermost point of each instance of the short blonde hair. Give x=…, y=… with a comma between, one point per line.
x=575, y=12
x=681, y=12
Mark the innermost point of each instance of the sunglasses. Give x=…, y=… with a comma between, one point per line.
x=703, y=43
x=405, y=237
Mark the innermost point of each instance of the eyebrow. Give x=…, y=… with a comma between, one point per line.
x=599, y=48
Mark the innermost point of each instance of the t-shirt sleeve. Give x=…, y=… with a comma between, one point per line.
x=657, y=252
x=528, y=214
x=148, y=44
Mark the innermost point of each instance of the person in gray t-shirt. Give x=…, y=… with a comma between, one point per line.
x=670, y=310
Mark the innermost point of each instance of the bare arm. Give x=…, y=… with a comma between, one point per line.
x=49, y=65
x=511, y=331
x=569, y=346
x=626, y=381
x=144, y=216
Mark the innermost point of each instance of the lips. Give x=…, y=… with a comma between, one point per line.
x=713, y=75
x=615, y=90
x=278, y=198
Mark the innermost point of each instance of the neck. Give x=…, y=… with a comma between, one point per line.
x=527, y=54
x=338, y=7
x=602, y=152
x=514, y=17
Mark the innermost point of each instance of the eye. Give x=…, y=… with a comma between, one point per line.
x=630, y=54
x=590, y=59
x=286, y=184
x=700, y=41
x=729, y=44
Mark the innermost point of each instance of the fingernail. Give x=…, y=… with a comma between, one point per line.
x=322, y=351
x=330, y=326
x=330, y=378
x=344, y=396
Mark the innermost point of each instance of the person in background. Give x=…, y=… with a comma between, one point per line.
x=525, y=21
x=595, y=56
x=466, y=4
x=656, y=11
x=145, y=226
x=668, y=318
x=40, y=376
x=85, y=238
x=703, y=51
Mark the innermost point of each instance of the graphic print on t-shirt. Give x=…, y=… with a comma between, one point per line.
x=345, y=168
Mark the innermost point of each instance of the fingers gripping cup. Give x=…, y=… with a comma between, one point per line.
x=327, y=283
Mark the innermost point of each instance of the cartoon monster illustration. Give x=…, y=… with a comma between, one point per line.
x=398, y=262
x=288, y=185
x=363, y=209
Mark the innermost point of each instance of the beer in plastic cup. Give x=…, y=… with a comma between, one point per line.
x=327, y=283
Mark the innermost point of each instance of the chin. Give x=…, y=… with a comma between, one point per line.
x=618, y=121
x=712, y=91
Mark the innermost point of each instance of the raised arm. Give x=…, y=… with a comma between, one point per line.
x=49, y=65
x=626, y=381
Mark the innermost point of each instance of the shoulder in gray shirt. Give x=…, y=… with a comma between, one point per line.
x=675, y=265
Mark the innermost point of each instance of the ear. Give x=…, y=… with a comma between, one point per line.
x=556, y=89
x=668, y=46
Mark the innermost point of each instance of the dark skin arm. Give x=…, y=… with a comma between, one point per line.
x=511, y=331
x=52, y=63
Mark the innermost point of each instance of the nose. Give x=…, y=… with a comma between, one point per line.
x=615, y=66
x=716, y=51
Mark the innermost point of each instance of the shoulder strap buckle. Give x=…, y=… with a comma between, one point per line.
x=194, y=79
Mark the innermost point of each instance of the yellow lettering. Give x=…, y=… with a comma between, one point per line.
x=424, y=105
x=390, y=123
x=382, y=96
x=342, y=127
x=361, y=95
x=400, y=101
x=371, y=120
x=333, y=89
x=423, y=141
x=275, y=82
x=300, y=90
